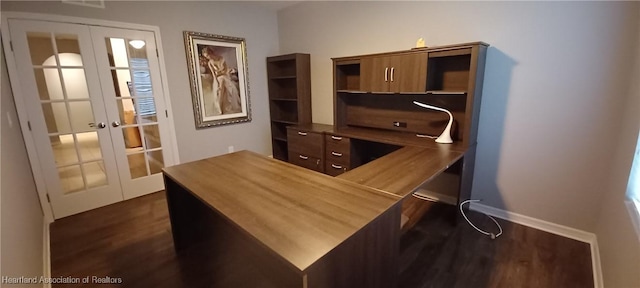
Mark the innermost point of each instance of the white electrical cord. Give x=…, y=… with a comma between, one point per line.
x=493, y=236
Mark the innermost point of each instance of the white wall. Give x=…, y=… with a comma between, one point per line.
x=555, y=94
x=21, y=218
x=256, y=22
x=619, y=244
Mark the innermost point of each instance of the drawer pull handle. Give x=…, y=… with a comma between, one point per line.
x=336, y=154
x=336, y=138
x=302, y=133
x=336, y=166
x=386, y=73
x=303, y=157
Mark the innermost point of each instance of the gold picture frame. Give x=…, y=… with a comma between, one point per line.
x=219, y=77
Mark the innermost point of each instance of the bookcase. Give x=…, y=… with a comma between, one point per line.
x=289, y=97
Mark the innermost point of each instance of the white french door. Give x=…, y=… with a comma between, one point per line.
x=129, y=71
x=95, y=109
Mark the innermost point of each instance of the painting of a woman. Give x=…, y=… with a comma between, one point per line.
x=225, y=89
x=218, y=72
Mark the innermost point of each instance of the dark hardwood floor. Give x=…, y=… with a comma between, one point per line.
x=132, y=241
x=437, y=254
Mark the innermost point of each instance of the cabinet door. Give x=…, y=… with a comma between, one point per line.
x=408, y=73
x=374, y=74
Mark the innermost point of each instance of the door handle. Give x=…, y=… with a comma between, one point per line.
x=386, y=74
x=115, y=124
x=302, y=133
x=99, y=125
x=392, y=70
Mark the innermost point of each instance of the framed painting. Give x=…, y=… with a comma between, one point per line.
x=219, y=79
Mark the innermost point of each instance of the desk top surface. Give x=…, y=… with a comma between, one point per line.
x=299, y=214
x=403, y=171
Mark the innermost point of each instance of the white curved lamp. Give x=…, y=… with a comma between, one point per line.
x=445, y=137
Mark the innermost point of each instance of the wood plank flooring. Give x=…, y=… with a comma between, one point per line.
x=132, y=241
x=436, y=254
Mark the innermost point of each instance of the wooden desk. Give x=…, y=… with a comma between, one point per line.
x=297, y=227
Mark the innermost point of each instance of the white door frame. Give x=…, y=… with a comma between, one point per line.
x=21, y=107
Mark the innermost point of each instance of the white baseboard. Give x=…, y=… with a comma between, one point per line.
x=46, y=253
x=553, y=228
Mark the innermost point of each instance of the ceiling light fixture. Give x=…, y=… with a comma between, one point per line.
x=137, y=43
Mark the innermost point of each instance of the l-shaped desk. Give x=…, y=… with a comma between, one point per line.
x=279, y=225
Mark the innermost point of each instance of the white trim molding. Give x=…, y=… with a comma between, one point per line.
x=46, y=253
x=91, y=3
x=553, y=228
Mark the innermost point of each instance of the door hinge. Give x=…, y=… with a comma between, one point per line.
x=166, y=113
x=29, y=125
x=48, y=199
x=11, y=45
x=157, y=53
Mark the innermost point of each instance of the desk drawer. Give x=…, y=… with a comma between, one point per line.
x=338, y=150
x=305, y=142
x=337, y=155
x=335, y=169
x=338, y=141
x=309, y=162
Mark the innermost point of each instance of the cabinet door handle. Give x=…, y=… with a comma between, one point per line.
x=336, y=138
x=336, y=154
x=302, y=133
x=392, y=70
x=336, y=166
x=303, y=157
x=386, y=73
x=98, y=125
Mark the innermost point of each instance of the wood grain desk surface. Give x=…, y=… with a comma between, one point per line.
x=299, y=214
x=404, y=170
